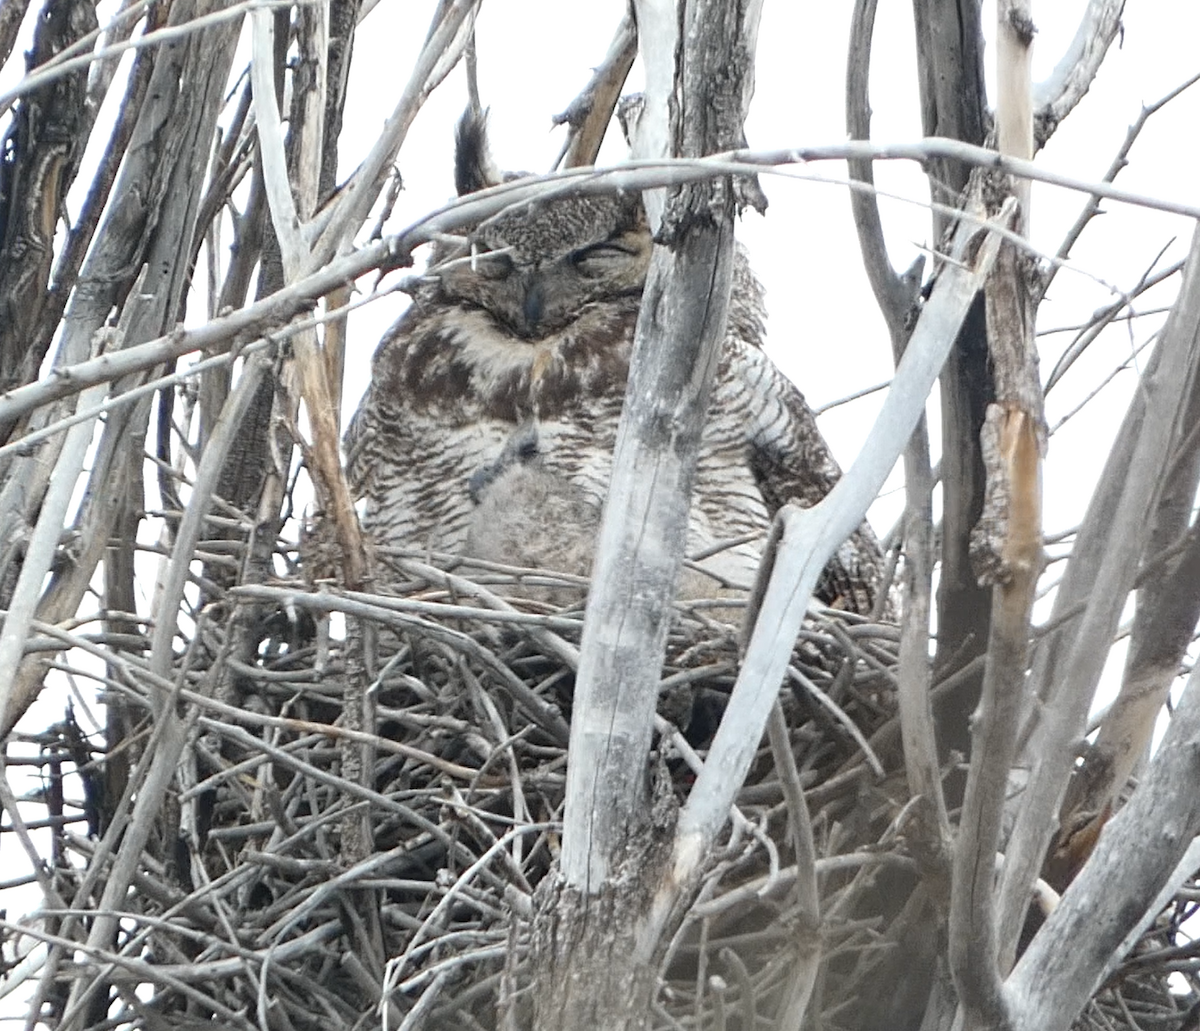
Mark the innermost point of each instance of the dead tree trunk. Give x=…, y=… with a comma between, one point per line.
x=954, y=104
x=596, y=930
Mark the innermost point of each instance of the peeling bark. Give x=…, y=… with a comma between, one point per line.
x=954, y=104
x=680, y=333
x=38, y=163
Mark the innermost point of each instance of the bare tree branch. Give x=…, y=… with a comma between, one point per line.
x=1009, y=536
x=171, y=34
x=808, y=923
x=280, y=202
x=916, y=715
x=1103, y=319
x=153, y=228
x=1114, y=169
x=336, y=224
x=635, y=175
x=43, y=545
x=12, y=13
x=317, y=393
x=1168, y=606
x=42, y=153
x=658, y=33
x=681, y=330
x=1055, y=97
x=897, y=298
x=1100, y=573
x=809, y=539
x=896, y=295
x=173, y=726
x=953, y=96
x=590, y=113
x=1137, y=854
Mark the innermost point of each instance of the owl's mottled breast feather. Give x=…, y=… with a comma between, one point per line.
x=448, y=386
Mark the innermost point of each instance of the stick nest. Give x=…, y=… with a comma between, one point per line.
x=373, y=792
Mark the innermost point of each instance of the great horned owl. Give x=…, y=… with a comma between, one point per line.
x=517, y=500
x=535, y=327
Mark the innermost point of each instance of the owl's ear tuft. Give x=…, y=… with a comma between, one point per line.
x=473, y=165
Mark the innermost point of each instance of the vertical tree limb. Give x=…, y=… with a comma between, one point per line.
x=954, y=104
x=953, y=97
x=916, y=713
x=1013, y=441
x=807, y=935
x=43, y=546
x=1014, y=105
x=896, y=295
x=1007, y=546
x=1138, y=852
x=681, y=330
x=640, y=549
x=1097, y=580
x=897, y=298
x=1168, y=607
x=289, y=216
x=74, y=249
x=680, y=334
x=658, y=40
x=47, y=140
x=12, y=13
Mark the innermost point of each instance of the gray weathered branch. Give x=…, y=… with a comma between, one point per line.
x=1056, y=96
x=896, y=295
x=171, y=725
x=810, y=537
x=635, y=175
x=680, y=335
x=1068, y=662
x=1137, y=855
x=1008, y=539
x=336, y=224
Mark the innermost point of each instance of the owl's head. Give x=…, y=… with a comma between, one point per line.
x=534, y=269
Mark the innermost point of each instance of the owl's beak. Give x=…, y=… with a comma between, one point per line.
x=481, y=479
x=534, y=306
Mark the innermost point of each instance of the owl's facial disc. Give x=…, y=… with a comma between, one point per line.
x=536, y=297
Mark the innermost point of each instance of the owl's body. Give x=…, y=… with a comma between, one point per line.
x=538, y=329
